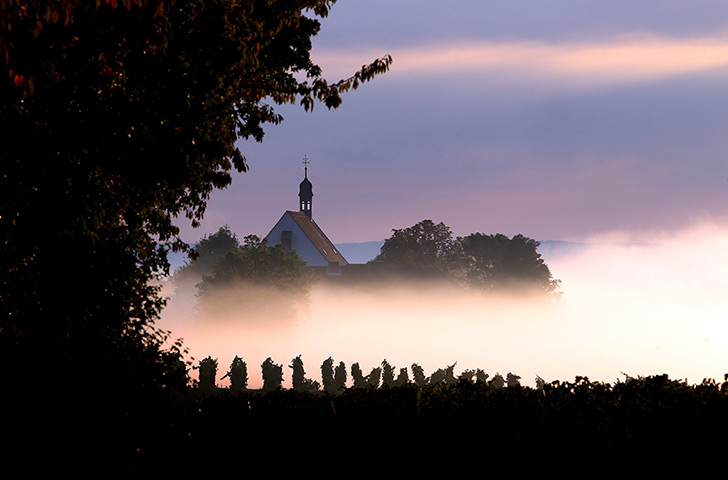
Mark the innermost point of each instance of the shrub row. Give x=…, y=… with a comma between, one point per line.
x=334, y=378
x=456, y=419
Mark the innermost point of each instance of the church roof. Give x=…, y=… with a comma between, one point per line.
x=317, y=237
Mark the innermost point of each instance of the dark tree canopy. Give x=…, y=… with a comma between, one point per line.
x=212, y=247
x=208, y=251
x=424, y=243
x=256, y=277
x=493, y=263
x=498, y=263
x=118, y=119
x=255, y=262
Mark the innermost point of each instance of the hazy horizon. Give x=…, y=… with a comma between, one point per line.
x=635, y=309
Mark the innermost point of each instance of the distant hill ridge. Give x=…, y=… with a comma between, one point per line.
x=362, y=252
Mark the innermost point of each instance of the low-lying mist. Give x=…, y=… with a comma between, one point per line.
x=627, y=308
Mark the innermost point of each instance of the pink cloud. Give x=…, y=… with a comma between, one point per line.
x=624, y=59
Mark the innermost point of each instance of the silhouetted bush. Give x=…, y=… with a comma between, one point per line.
x=327, y=376
x=374, y=377
x=512, y=380
x=387, y=374
x=300, y=382
x=208, y=372
x=573, y=421
x=497, y=381
x=419, y=375
x=402, y=378
x=272, y=375
x=238, y=374
x=340, y=377
x=357, y=376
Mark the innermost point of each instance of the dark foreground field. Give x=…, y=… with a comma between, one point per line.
x=407, y=428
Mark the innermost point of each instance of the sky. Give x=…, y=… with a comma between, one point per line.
x=559, y=120
x=601, y=122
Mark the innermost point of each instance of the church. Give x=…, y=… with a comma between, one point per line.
x=298, y=231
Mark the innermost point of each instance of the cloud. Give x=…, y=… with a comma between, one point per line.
x=623, y=59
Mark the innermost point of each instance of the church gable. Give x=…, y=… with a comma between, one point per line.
x=298, y=231
x=295, y=230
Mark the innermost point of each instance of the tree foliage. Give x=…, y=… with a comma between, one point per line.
x=333, y=378
x=255, y=276
x=298, y=377
x=272, y=375
x=238, y=374
x=340, y=376
x=357, y=376
x=424, y=243
x=501, y=264
x=590, y=420
x=493, y=263
x=208, y=372
x=327, y=376
x=205, y=253
x=119, y=117
x=256, y=262
x=118, y=120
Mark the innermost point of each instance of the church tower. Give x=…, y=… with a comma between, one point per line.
x=305, y=191
x=298, y=231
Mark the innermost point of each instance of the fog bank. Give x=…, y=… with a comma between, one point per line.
x=638, y=308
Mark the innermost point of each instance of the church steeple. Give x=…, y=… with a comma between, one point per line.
x=305, y=191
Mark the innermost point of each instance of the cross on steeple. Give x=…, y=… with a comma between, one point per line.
x=305, y=191
x=305, y=163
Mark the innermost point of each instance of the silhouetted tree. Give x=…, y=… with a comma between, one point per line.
x=402, y=378
x=466, y=376
x=272, y=375
x=206, y=252
x=208, y=373
x=387, y=374
x=340, y=377
x=450, y=375
x=497, y=381
x=438, y=376
x=497, y=263
x=238, y=374
x=374, y=377
x=300, y=382
x=424, y=243
x=118, y=120
x=257, y=277
x=487, y=262
x=135, y=109
x=445, y=375
x=512, y=380
x=419, y=375
x=327, y=376
x=357, y=376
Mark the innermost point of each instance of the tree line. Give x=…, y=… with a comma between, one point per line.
x=226, y=274
x=334, y=377
x=485, y=262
